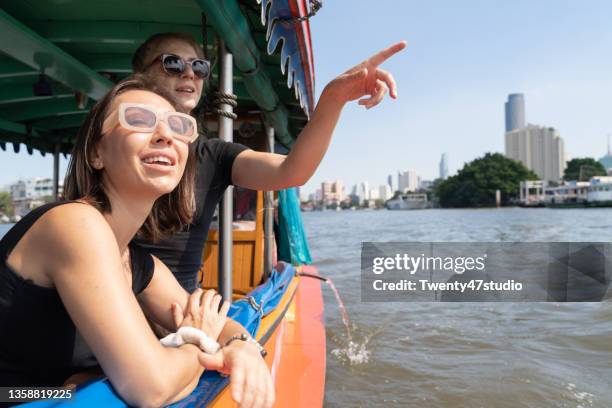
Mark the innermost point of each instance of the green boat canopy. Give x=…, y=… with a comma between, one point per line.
x=57, y=58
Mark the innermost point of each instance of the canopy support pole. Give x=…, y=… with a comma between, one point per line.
x=56, y=157
x=226, y=133
x=269, y=215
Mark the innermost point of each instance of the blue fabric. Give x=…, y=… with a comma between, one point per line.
x=263, y=300
x=292, y=244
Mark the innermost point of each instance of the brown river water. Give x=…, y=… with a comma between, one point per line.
x=460, y=354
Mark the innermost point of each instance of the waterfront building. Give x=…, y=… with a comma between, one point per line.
x=332, y=192
x=515, y=112
x=407, y=181
x=532, y=192
x=28, y=194
x=390, y=181
x=33, y=188
x=540, y=149
x=444, y=166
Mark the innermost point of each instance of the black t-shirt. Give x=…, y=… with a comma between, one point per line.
x=182, y=253
x=39, y=344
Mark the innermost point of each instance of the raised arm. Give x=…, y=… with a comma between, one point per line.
x=268, y=171
x=86, y=268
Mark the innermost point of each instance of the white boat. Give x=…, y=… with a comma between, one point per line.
x=408, y=202
x=600, y=190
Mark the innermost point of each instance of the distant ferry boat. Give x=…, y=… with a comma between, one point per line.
x=597, y=192
x=600, y=191
x=408, y=202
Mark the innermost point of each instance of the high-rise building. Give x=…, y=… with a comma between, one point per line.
x=364, y=191
x=385, y=192
x=390, y=181
x=332, y=192
x=606, y=161
x=540, y=149
x=355, y=198
x=374, y=194
x=444, y=166
x=515, y=112
x=407, y=181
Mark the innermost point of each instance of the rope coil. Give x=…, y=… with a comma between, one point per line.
x=225, y=98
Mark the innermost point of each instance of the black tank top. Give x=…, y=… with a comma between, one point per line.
x=39, y=344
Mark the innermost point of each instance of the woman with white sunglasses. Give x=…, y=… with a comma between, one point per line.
x=73, y=285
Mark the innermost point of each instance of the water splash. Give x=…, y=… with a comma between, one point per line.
x=354, y=352
x=345, y=318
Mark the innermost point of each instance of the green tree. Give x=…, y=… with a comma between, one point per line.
x=583, y=169
x=6, y=203
x=475, y=184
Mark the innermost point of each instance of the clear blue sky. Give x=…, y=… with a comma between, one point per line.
x=463, y=58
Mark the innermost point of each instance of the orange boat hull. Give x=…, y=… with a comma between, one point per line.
x=296, y=346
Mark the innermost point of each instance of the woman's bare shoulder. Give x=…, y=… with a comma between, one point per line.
x=70, y=227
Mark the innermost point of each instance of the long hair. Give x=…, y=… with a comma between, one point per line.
x=170, y=212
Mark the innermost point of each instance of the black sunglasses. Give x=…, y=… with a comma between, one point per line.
x=175, y=65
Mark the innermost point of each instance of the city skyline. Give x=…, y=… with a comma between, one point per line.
x=452, y=81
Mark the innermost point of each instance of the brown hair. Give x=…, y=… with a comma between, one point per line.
x=142, y=58
x=170, y=212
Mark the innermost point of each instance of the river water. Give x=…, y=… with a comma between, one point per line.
x=461, y=354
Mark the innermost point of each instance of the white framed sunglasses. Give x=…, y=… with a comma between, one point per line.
x=145, y=118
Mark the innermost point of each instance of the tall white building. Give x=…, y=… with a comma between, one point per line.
x=364, y=191
x=385, y=192
x=407, y=181
x=444, y=166
x=540, y=149
x=374, y=194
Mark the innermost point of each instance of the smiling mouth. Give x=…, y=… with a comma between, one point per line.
x=160, y=160
x=185, y=90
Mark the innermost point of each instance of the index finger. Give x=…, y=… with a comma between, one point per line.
x=383, y=55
